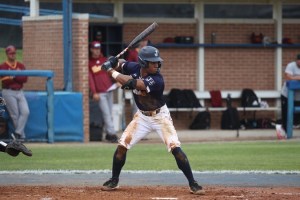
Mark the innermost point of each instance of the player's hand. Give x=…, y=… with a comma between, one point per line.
x=111, y=63
x=96, y=97
x=114, y=61
x=107, y=66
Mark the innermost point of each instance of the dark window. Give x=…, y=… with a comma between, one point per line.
x=159, y=10
x=101, y=9
x=291, y=11
x=238, y=11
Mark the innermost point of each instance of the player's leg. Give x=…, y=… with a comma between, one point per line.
x=106, y=104
x=12, y=108
x=135, y=131
x=119, y=160
x=184, y=165
x=23, y=114
x=169, y=136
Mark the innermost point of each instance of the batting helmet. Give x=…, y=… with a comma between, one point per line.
x=148, y=54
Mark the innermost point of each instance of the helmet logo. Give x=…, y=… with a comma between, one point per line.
x=156, y=53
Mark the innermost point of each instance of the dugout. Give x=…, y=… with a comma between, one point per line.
x=227, y=62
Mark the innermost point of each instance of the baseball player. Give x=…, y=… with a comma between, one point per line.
x=100, y=86
x=12, y=92
x=14, y=148
x=147, y=85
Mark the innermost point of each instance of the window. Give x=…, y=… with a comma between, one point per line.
x=237, y=11
x=159, y=10
x=101, y=9
x=291, y=11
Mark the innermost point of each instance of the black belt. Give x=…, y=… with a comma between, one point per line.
x=150, y=113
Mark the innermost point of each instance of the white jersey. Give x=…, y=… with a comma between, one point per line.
x=294, y=70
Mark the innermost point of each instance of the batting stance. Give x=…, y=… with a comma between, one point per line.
x=147, y=85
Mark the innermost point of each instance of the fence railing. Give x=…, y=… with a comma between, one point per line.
x=50, y=93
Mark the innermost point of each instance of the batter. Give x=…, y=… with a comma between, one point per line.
x=147, y=85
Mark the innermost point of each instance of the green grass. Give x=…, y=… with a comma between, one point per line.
x=263, y=155
x=3, y=55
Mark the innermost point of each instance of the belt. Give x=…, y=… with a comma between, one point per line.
x=150, y=113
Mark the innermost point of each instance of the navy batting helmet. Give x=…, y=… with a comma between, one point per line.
x=150, y=54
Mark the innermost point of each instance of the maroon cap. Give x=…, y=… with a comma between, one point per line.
x=10, y=49
x=95, y=44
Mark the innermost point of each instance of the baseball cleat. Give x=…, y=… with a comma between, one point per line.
x=111, y=184
x=196, y=189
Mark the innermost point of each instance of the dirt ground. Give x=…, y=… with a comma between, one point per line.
x=146, y=192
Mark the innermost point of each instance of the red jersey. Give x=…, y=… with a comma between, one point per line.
x=133, y=55
x=14, y=83
x=99, y=80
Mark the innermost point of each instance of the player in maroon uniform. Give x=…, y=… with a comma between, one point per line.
x=100, y=86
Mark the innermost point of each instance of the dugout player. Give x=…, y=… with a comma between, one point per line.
x=99, y=83
x=292, y=72
x=147, y=85
x=13, y=95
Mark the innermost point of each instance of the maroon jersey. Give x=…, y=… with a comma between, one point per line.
x=99, y=80
x=14, y=83
x=133, y=55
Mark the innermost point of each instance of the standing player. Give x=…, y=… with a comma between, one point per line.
x=100, y=85
x=13, y=94
x=292, y=72
x=147, y=85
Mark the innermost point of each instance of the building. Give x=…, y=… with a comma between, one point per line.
x=221, y=55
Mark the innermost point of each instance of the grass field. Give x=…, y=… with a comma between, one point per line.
x=261, y=155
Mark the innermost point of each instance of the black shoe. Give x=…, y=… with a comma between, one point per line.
x=17, y=137
x=111, y=184
x=196, y=189
x=111, y=138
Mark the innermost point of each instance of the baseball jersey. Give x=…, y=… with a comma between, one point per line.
x=15, y=83
x=99, y=80
x=292, y=69
x=133, y=55
x=152, y=98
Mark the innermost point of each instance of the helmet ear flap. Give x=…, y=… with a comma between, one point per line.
x=142, y=62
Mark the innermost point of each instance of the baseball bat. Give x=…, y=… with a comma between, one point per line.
x=140, y=37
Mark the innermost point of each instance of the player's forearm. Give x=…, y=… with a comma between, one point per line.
x=122, y=79
x=292, y=77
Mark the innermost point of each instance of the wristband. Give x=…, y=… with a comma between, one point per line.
x=115, y=74
x=3, y=143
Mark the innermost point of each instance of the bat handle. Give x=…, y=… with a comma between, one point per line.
x=120, y=54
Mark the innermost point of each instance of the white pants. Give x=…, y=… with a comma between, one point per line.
x=18, y=109
x=142, y=125
x=106, y=106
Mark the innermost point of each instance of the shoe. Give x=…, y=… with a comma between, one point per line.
x=196, y=189
x=17, y=137
x=111, y=138
x=111, y=184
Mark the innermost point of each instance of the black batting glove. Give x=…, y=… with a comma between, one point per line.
x=114, y=61
x=107, y=66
